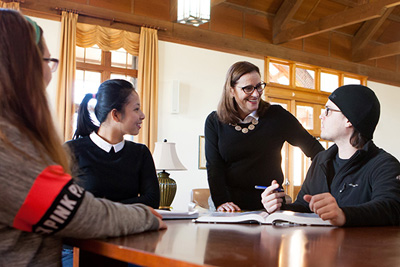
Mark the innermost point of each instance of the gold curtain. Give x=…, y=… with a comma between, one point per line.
x=148, y=85
x=9, y=5
x=106, y=38
x=66, y=73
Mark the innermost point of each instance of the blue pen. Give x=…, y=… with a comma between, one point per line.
x=265, y=187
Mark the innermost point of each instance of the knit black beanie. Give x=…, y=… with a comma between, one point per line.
x=360, y=106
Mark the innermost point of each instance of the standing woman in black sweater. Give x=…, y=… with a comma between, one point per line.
x=244, y=138
x=106, y=164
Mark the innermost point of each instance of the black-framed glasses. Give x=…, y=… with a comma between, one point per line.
x=249, y=89
x=327, y=109
x=53, y=63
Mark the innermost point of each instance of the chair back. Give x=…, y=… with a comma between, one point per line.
x=200, y=196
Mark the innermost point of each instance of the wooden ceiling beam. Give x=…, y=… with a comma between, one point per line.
x=380, y=51
x=248, y=9
x=346, y=3
x=368, y=29
x=284, y=14
x=83, y=10
x=352, y=4
x=338, y=20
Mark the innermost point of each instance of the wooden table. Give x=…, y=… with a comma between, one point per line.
x=185, y=243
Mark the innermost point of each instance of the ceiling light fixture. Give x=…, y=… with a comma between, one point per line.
x=193, y=12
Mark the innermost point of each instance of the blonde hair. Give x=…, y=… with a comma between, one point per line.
x=23, y=100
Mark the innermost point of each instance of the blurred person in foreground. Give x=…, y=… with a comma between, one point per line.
x=41, y=203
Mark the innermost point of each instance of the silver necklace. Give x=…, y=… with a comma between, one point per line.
x=245, y=130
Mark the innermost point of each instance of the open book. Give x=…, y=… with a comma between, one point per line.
x=262, y=217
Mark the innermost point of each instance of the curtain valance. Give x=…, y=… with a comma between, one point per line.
x=106, y=38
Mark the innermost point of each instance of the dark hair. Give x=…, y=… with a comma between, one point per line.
x=23, y=100
x=112, y=94
x=227, y=108
x=357, y=140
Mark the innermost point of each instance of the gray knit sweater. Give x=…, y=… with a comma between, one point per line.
x=40, y=204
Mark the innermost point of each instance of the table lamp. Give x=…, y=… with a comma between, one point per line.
x=166, y=159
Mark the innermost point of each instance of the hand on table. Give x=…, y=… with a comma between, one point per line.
x=326, y=207
x=162, y=224
x=228, y=206
x=271, y=199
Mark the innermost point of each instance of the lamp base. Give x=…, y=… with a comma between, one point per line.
x=164, y=208
x=167, y=190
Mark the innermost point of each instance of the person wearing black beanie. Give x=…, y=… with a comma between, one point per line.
x=353, y=183
x=360, y=106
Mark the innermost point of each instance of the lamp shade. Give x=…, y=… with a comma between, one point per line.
x=165, y=157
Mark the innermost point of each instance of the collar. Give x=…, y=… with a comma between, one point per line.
x=249, y=117
x=101, y=143
x=368, y=151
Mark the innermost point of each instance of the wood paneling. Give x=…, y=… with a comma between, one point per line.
x=306, y=9
x=258, y=28
x=318, y=44
x=388, y=63
x=80, y=1
x=340, y=46
x=120, y=5
x=267, y=6
x=391, y=33
x=227, y=20
x=297, y=45
x=152, y=8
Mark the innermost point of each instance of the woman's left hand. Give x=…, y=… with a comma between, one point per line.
x=228, y=206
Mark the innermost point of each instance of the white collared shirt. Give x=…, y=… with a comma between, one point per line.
x=250, y=117
x=100, y=142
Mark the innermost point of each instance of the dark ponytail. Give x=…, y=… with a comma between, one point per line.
x=84, y=124
x=112, y=94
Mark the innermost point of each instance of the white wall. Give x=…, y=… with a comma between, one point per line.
x=201, y=74
x=388, y=128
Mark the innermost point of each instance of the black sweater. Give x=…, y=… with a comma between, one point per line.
x=236, y=162
x=128, y=176
x=366, y=188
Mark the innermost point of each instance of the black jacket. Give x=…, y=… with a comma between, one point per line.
x=366, y=188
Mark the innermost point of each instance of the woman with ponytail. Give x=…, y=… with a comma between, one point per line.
x=106, y=164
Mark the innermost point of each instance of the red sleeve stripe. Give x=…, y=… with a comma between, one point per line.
x=41, y=196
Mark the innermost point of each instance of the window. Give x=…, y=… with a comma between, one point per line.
x=305, y=77
x=329, y=82
x=302, y=90
x=279, y=73
x=94, y=66
x=285, y=74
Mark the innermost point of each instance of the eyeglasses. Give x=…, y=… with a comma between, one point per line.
x=53, y=63
x=327, y=109
x=249, y=89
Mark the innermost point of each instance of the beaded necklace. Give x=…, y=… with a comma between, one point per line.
x=245, y=130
